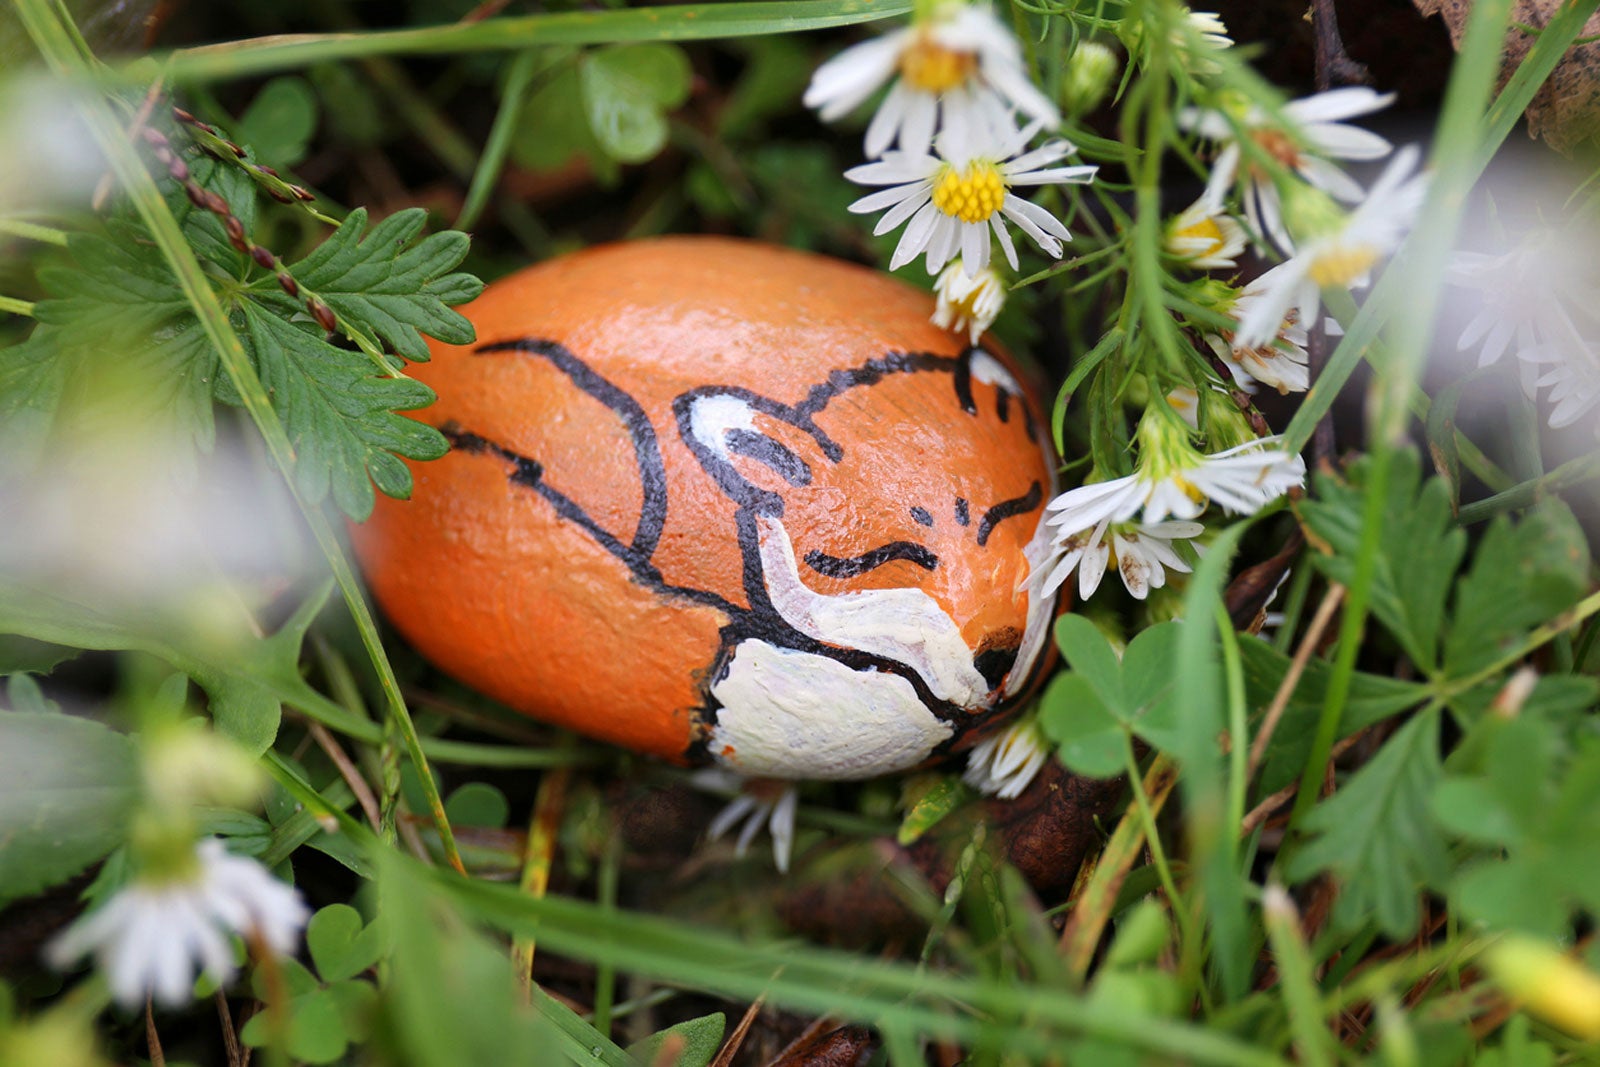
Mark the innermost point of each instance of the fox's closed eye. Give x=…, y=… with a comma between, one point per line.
x=835, y=567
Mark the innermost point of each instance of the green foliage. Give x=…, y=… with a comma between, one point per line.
x=1092, y=710
x=697, y=1041
x=1376, y=834
x=623, y=92
x=66, y=789
x=626, y=90
x=338, y=405
x=1522, y=573
x=280, y=121
x=1525, y=796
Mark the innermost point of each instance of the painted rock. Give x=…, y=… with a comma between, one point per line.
x=725, y=503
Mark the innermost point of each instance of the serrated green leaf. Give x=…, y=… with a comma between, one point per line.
x=1522, y=575
x=1418, y=555
x=625, y=91
x=67, y=786
x=1371, y=699
x=338, y=412
x=389, y=285
x=278, y=124
x=700, y=1040
x=1377, y=834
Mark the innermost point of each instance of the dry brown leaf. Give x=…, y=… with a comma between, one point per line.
x=1566, y=110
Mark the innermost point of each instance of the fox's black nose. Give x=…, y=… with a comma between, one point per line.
x=994, y=663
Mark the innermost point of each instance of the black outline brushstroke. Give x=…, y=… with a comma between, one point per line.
x=1006, y=509
x=837, y=567
x=761, y=620
x=921, y=516
x=963, y=512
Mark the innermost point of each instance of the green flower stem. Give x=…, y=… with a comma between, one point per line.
x=12, y=306
x=242, y=59
x=496, y=148
x=1191, y=949
x=54, y=43
x=33, y=231
x=1526, y=494
x=1583, y=609
x=1458, y=138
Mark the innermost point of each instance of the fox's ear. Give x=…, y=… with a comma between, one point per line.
x=751, y=459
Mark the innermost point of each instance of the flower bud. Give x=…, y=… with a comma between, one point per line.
x=1552, y=986
x=1092, y=70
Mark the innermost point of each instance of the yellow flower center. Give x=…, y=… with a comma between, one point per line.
x=1205, y=230
x=971, y=196
x=931, y=67
x=1342, y=265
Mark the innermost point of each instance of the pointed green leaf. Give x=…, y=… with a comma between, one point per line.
x=1377, y=835
x=388, y=284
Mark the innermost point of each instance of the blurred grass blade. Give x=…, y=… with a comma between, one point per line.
x=240, y=59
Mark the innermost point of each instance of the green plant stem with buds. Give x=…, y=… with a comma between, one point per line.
x=54, y=41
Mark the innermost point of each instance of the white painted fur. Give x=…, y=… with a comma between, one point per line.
x=905, y=625
x=792, y=714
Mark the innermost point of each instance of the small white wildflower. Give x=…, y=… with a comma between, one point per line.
x=150, y=937
x=1204, y=235
x=957, y=65
x=1341, y=255
x=1570, y=370
x=950, y=202
x=1319, y=136
x=1281, y=363
x=1173, y=479
x=968, y=302
x=1143, y=553
x=756, y=802
x=1006, y=764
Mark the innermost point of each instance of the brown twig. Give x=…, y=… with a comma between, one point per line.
x=730, y=1047
x=237, y=1056
x=1263, y=811
x=347, y=770
x=1334, y=65
x=1291, y=678
x=152, y=1039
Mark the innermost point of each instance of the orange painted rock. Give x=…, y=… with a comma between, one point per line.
x=724, y=503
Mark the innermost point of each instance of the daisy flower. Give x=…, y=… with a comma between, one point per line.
x=1173, y=479
x=1572, y=374
x=1142, y=552
x=968, y=302
x=1320, y=135
x=150, y=937
x=1341, y=254
x=756, y=802
x=958, y=65
x=952, y=201
x=1005, y=764
x=1281, y=362
x=1204, y=236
